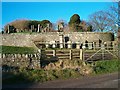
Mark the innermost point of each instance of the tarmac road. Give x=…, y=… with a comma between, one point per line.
x=99, y=81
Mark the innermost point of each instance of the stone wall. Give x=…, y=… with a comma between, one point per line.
x=31, y=61
x=16, y=40
x=89, y=36
x=23, y=39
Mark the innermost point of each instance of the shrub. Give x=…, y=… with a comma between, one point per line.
x=106, y=66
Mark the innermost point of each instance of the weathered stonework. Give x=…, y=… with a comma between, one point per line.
x=21, y=39
x=31, y=61
x=70, y=64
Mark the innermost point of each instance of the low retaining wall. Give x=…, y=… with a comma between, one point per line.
x=22, y=39
x=31, y=61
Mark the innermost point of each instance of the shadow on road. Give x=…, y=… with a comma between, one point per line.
x=100, y=81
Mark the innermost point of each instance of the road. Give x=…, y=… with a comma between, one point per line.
x=99, y=81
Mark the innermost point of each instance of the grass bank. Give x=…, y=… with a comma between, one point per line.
x=23, y=75
x=106, y=66
x=39, y=75
x=16, y=50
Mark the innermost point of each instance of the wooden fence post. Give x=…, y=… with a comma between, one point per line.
x=93, y=45
x=81, y=54
x=70, y=57
x=54, y=52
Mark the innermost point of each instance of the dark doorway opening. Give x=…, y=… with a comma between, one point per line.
x=74, y=45
x=66, y=40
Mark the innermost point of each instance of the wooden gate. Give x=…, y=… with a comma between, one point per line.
x=101, y=53
x=62, y=54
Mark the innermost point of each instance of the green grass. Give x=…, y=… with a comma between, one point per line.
x=40, y=75
x=23, y=75
x=16, y=50
x=107, y=66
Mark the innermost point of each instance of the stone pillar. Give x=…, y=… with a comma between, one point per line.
x=48, y=26
x=53, y=45
x=105, y=44
x=47, y=45
x=83, y=47
x=32, y=27
x=69, y=44
x=38, y=28
x=8, y=29
x=77, y=45
x=26, y=56
x=39, y=50
x=0, y=55
x=90, y=46
x=3, y=55
x=61, y=41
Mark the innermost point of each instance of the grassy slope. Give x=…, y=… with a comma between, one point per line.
x=101, y=67
x=40, y=75
x=107, y=66
x=16, y=50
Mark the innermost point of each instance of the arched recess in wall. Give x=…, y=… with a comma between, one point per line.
x=86, y=43
x=66, y=39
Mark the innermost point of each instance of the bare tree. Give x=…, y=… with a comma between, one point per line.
x=113, y=16
x=119, y=35
x=100, y=21
x=105, y=20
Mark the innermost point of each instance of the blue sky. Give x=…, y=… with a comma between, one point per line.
x=59, y=0
x=52, y=11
